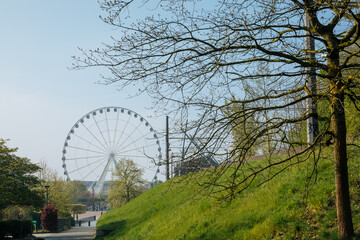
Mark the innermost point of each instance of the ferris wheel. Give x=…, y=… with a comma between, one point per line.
x=105, y=136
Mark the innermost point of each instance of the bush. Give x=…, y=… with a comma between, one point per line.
x=49, y=218
x=15, y=228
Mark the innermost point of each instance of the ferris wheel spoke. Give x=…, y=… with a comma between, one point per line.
x=89, y=164
x=129, y=151
x=92, y=171
x=94, y=136
x=134, y=156
x=101, y=133
x=85, y=149
x=122, y=132
x=116, y=125
x=102, y=149
x=136, y=149
x=108, y=130
x=79, y=158
x=119, y=146
x=134, y=141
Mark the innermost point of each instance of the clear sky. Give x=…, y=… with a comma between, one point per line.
x=40, y=99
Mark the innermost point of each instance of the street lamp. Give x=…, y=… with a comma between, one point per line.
x=47, y=194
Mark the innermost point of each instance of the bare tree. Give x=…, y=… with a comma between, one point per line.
x=198, y=57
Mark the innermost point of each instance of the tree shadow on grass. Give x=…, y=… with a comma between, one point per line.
x=110, y=229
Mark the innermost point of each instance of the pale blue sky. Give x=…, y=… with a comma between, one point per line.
x=40, y=99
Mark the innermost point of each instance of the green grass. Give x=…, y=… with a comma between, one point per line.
x=279, y=209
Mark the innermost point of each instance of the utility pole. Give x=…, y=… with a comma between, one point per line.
x=167, y=148
x=311, y=108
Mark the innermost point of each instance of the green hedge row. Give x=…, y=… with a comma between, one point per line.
x=15, y=228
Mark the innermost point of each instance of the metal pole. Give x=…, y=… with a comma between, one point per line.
x=312, y=122
x=47, y=195
x=167, y=149
x=93, y=198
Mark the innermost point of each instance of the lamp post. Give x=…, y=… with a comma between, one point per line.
x=47, y=194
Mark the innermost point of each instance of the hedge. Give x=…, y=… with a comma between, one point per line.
x=15, y=228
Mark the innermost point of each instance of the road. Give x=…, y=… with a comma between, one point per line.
x=77, y=233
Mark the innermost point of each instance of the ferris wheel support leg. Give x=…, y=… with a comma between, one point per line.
x=115, y=162
x=100, y=183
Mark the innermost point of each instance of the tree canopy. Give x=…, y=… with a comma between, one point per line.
x=17, y=180
x=61, y=193
x=197, y=55
x=127, y=183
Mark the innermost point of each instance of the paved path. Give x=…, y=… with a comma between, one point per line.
x=91, y=213
x=77, y=233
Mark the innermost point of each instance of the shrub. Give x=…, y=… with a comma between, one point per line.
x=15, y=228
x=72, y=222
x=49, y=218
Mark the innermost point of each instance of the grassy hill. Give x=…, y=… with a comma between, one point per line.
x=279, y=209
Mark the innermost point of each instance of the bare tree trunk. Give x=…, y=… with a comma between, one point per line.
x=345, y=224
x=127, y=194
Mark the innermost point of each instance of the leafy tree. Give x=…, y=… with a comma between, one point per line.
x=198, y=58
x=61, y=193
x=126, y=185
x=77, y=191
x=247, y=125
x=77, y=209
x=17, y=180
x=15, y=212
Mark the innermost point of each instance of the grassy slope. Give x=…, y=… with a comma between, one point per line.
x=276, y=210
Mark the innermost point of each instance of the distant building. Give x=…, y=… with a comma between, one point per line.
x=194, y=165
